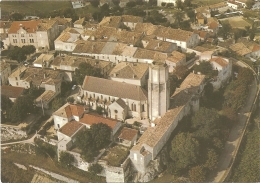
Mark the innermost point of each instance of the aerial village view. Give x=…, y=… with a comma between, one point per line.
x=124, y=91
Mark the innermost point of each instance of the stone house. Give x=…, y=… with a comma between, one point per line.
x=175, y=59
x=224, y=68
x=5, y=72
x=131, y=21
x=77, y=113
x=68, y=40
x=79, y=23
x=233, y=4
x=128, y=136
x=71, y=63
x=63, y=23
x=103, y=92
x=150, y=43
x=12, y=92
x=201, y=19
x=241, y=49
x=183, y=39
x=203, y=35
x=43, y=61
x=132, y=73
x=184, y=100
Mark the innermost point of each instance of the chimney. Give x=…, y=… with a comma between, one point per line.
x=133, y=76
x=114, y=74
x=93, y=47
x=133, y=37
x=44, y=76
x=73, y=60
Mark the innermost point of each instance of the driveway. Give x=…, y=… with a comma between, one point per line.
x=228, y=152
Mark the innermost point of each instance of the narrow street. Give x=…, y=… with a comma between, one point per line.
x=226, y=157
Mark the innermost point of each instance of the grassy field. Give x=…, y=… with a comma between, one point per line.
x=48, y=164
x=237, y=22
x=206, y=2
x=33, y=7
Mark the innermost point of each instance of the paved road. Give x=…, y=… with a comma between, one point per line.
x=234, y=136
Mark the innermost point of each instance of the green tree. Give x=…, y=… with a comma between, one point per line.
x=29, y=49
x=101, y=134
x=212, y=159
x=187, y=3
x=179, y=15
x=56, y=103
x=70, y=100
x=191, y=14
x=131, y=4
x=84, y=70
x=184, y=152
x=225, y=31
x=16, y=16
x=21, y=107
x=206, y=123
x=197, y=174
x=179, y=4
x=95, y=168
x=66, y=159
x=95, y=3
x=205, y=68
x=249, y=4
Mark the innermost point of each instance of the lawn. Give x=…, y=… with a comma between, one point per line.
x=116, y=155
x=33, y=7
x=48, y=164
x=206, y=2
x=237, y=22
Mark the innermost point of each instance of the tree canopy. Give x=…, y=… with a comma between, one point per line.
x=93, y=139
x=20, y=54
x=206, y=123
x=85, y=69
x=185, y=151
x=66, y=159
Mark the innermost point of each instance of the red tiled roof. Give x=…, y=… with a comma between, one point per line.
x=128, y=133
x=11, y=91
x=219, y=61
x=91, y=119
x=256, y=47
x=74, y=110
x=70, y=128
x=29, y=26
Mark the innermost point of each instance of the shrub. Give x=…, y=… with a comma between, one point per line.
x=95, y=168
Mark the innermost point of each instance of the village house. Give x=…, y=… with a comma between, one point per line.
x=150, y=43
x=184, y=100
x=112, y=21
x=212, y=26
x=183, y=39
x=63, y=23
x=12, y=92
x=71, y=63
x=68, y=40
x=128, y=136
x=102, y=92
x=201, y=19
x=234, y=4
x=79, y=24
x=224, y=68
x=5, y=72
x=131, y=21
x=132, y=73
x=71, y=119
x=205, y=10
x=43, y=61
x=39, y=33
x=251, y=45
x=147, y=28
x=240, y=49
x=203, y=35
x=175, y=59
